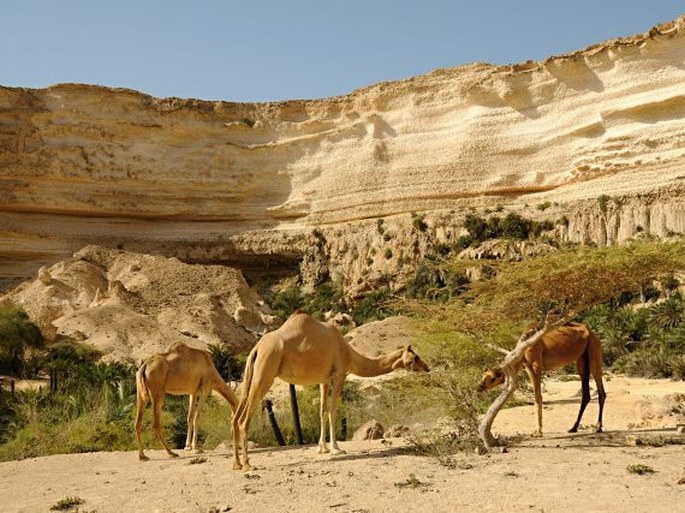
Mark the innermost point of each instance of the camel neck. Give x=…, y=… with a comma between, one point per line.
x=365, y=367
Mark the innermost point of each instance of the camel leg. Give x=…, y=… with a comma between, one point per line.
x=264, y=373
x=141, y=403
x=192, y=407
x=201, y=397
x=596, y=369
x=535, y=375
x=157, y=403
x=254, y=399
x=235, y=425
x=584, y=371
x=323, y=413
x=333, y=414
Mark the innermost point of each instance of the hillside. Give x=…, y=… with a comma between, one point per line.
x=221, y=182
x=129, y=305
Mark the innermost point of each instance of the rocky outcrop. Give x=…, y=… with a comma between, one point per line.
x=130, y=305
x=246, y=184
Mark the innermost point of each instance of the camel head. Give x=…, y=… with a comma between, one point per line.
x=410, y=361
x=491, y=378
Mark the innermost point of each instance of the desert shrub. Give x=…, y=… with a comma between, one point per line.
x=67, y=503
x=419, y=222
x=229, y=364
x=285, y=302
x=436, y=282
x=373, y=307
x=327, y=296
x=512, y=226
x=640, y=469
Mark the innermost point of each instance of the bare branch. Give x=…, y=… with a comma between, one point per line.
x=511, y=366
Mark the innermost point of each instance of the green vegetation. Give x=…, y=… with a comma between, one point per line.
x=419, y=222
x=511, y=226
x=627, y=293
x=67, y=503
x=640, y=469
x=412, y=482
x=17, y=335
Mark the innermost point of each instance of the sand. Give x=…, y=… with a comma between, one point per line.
x=558, y=472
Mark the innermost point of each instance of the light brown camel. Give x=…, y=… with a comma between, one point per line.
x=181, y=370
x=572, y=342
x=304, y=351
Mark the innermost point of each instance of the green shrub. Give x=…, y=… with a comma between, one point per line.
x=229, y=364
x=373, y=307
x=419, y=222
x=67, y=504
x=17, y=334
x=640, y=469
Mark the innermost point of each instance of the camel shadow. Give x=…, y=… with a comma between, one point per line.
x=654, y=437
x=363, y=454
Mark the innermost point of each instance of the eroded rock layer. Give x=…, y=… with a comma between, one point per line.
x=220, y=181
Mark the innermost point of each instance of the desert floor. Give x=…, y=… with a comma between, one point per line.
x=558, y=472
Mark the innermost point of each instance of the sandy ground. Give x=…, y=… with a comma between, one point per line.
x=557, y=472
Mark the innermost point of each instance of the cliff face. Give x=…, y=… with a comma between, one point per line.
x=246, y=183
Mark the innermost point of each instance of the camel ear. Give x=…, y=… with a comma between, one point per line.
x=410, y=349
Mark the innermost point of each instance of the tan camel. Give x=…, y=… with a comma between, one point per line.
x=181, y=370
x=572, y=342
x=305, y=351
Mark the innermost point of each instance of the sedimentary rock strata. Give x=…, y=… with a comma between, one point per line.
x=246, y=183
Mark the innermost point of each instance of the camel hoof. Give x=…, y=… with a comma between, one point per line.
x=247, y=467
x=573, y=430
x=536, y=434
x=599, y=430
x=337, y=451
x=142, y=457
x=187, y=448
x=173, y=455
x=237, y=466
x=198, y=451
x=323, y=450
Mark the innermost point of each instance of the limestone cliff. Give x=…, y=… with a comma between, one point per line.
x=247, y=183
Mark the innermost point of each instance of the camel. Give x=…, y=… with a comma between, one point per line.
x=304, y=351
x=181, y=370
x=572, y=342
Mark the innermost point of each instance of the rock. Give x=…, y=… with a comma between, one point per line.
x=372, y=430
x=397, y=431
x=150, y=302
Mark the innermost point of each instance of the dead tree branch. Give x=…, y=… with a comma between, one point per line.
x=510, y=366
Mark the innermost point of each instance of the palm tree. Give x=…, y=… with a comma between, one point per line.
x=670, y=313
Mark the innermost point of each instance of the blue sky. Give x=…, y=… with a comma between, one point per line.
x=265, y=50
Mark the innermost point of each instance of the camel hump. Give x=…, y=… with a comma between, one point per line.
x=299, y=311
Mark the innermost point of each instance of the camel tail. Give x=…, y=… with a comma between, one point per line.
x=247, y=376
x=595, y=352
x=141, y=382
